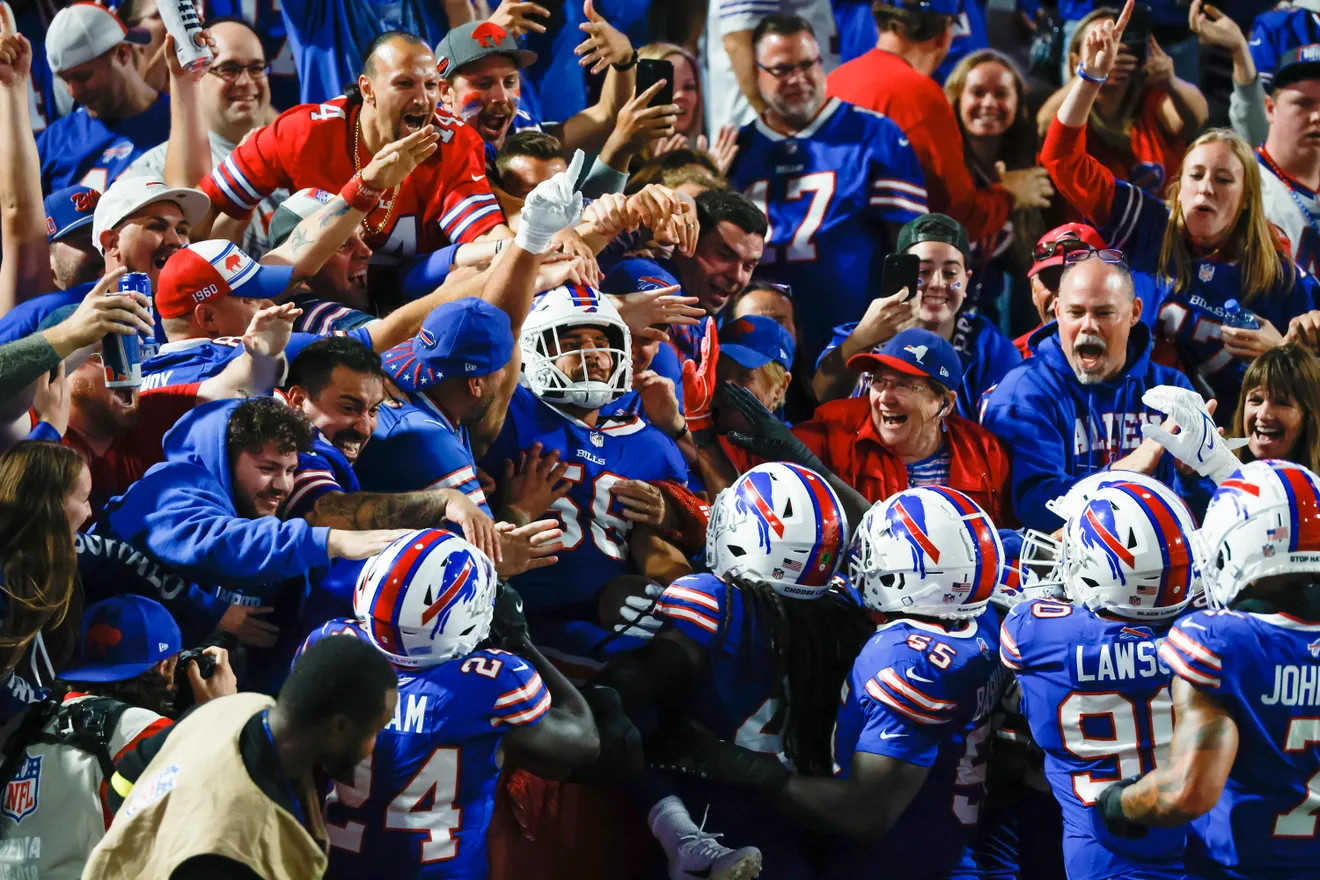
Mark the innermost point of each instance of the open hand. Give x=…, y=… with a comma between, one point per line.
x=396, y=160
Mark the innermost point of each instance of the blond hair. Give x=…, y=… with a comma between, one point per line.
x=661, y=51
x=1252, y=243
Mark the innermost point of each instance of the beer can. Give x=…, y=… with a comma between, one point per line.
x=122, y=360
x=181, y=22
x=138, y=282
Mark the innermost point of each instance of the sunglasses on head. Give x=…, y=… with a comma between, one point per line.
x=1063, y=246
x=1107, y=255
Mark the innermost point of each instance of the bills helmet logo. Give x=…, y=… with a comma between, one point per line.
x=120, y=150
x=23, y=793
x=457, y=587
x=1314, y=648
x=232, y=262
x=101, y=637
x=489, y=35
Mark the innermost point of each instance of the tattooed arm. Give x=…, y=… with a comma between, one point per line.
x=315, y=239
x=431, y=508
x=1188, y=784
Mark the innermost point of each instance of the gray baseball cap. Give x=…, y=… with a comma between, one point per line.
x=294, y=210
x=474, y=41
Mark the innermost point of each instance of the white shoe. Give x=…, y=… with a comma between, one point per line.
x=700, y=856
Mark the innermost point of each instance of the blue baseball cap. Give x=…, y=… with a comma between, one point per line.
x=466, y=338
x=916, y=352
x=637, y=273
x=70, y=209
x=122, y=638
x=755, y=340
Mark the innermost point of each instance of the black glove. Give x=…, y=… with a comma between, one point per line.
x=767, y=437
x=687, y=749
x=621, y=755
x=1110, y=804
x=509, y=623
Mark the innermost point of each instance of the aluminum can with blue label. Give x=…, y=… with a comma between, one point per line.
x=138, y=282
x=122, y=355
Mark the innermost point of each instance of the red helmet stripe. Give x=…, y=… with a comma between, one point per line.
x=1110, y=539
x=923, y=540
x=1305, y=509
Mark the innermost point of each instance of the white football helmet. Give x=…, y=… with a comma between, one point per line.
x=1041, y=551
x=426, y=598
x=564, y=308
x=931, y=551
x=1129, y=551
x=780, y=525
x=1263, y=521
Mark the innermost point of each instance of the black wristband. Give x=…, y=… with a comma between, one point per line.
x=1110, y=803
x=627, y=65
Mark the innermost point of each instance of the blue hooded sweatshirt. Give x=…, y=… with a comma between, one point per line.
x=182, y=514
x=1058, y=430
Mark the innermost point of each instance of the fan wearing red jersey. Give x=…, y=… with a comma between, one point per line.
x=445, y=200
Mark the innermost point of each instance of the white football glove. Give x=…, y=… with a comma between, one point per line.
x=639, y=611
x=552, y=206
x=1198, y=443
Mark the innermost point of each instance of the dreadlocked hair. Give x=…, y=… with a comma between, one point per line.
x=814, y=643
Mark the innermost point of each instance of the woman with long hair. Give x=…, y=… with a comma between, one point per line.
x=1226, y=289
x=44, y=489
x=690, y=127
x=1143, y=116
x=1279, y=410
x=988, y=95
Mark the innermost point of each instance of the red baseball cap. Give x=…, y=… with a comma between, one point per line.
x=1075, y=231
x=207, y=269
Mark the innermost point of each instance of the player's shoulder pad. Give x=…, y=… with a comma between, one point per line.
x=1037, y=628
x=696, y=604
x=1196, y=646
x=903, y=678
x=517, y=695
x=342, y=626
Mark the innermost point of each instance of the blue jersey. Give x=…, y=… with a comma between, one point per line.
x=1097, y=700
x=24, y=318
x=595, y=542
x=420, y=806
x=1275, y=33
x=1265, y=670
x=195, y=360
x=828, y=190
x=1192, y=319
x=415, y=447
x=737, y=698
x=80, y=149
x=324, y=317
x=922, y=693
x=986, y=354
x=320, y=472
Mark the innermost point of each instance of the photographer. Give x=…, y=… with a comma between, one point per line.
x=59, y=761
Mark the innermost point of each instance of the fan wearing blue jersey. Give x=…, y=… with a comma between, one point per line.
x=421, y=805
x=1276, y=31
x=836, y=181
x=1208, y=244
x=755, y=649
x=1245, y=757
x=911, y=732
x=576, y=355
x=1094, y=693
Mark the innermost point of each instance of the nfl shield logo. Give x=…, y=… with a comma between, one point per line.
x=23, y=790
x=597, y=440
x=1206, y=272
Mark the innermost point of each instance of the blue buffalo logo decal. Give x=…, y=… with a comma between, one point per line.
x=23, y=793
x=1100, y=533
x=458, y=587
x=907, y=520
x=754, y=501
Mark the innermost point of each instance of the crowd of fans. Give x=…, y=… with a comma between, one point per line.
x=673, y=439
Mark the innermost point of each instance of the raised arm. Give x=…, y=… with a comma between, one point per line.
x=188, y=156
x=259, y=368
x=25, y=270
x=604, y=48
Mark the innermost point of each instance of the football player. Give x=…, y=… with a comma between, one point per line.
x=755, y=649
x=910, y=736
x=1245, y=757
x=420, y=806
x=1094, y=693
x=576, y=358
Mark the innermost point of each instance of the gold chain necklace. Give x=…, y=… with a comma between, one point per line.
x=392, y=193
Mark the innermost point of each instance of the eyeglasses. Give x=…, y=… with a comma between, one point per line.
x=1063, y=246
x=784, y=289
x=783, y=71
x=1107, y=255
x=900, y=387
x=230, y=71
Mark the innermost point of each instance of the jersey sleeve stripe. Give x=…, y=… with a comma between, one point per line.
x=518, y=695
x=457, y=231
x=227, y=189
x=454, y=478
x=527, y=716
x=901, y=186
x=694, y=596
x=1188, y=645
x=905, y=204
x=464, y=206
x=1183, y=669
x=682, y=612
x=1008, y=645
x=883, y=696
x=1129, y=215
x=477, y=495
x=891, y=678
x=303, y=487
x=240, y=178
